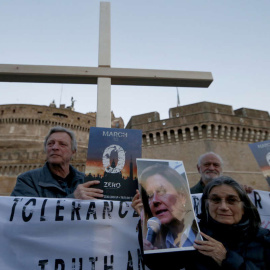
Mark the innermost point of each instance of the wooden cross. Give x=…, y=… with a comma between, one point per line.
x=103, y=75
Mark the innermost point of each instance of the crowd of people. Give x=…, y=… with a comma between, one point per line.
x=229, y=235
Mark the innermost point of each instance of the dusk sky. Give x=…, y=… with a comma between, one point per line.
x=228, y=38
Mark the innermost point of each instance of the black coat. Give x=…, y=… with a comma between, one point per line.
x=245, y=250
x=198, y=188
x=41, y=183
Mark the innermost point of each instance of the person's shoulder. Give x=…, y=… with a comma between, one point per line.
x=81, y=173
x=263, y=236
x=31, y=172
x=196, y=188
x=78, y=173
x=193, y=189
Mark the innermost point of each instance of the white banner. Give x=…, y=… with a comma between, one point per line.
x=261, y=200
x=62, y=234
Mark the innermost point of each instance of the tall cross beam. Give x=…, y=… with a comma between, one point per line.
x=103, y=75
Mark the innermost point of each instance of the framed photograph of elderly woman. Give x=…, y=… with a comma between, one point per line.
x=168, y=219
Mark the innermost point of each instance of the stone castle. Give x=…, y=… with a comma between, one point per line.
x=188, y=132
x=202, y=127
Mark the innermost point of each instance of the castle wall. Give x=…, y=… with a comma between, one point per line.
x=198, y=128
x=190, y=131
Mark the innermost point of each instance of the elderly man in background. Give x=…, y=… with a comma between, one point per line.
x=57, y=178
x=210, y=166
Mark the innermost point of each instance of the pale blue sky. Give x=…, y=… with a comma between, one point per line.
x=229, y=38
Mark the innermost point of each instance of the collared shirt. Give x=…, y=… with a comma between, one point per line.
x=66, y=182
x=187, y=238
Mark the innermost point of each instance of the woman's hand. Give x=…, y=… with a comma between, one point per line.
x=137, y=203
x=211, y=248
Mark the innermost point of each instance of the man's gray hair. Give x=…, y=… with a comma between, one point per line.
x=209, y=153
x=62, y=129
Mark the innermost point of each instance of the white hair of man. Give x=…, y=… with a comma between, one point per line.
x=209, y=153
x=210, y=166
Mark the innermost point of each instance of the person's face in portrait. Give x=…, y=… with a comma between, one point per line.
x=225, y=205
x=165, y=202
x=268, y=158
x=58, y=148
x=210, y=168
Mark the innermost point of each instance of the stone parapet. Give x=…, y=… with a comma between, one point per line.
x=198, y=128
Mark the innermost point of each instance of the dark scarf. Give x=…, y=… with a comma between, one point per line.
x=229, y=235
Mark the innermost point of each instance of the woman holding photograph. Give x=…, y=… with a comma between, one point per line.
x=230, y=225
x=165, y=196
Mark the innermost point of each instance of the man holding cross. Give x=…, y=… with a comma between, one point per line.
x=57, y=178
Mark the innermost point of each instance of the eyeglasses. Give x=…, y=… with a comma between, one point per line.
x=228, y=200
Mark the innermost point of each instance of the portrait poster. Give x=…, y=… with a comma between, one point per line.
x=261, y=152
x=111, y=159
x=168, y=218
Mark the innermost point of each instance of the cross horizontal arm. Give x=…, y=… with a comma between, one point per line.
x=89, y=75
